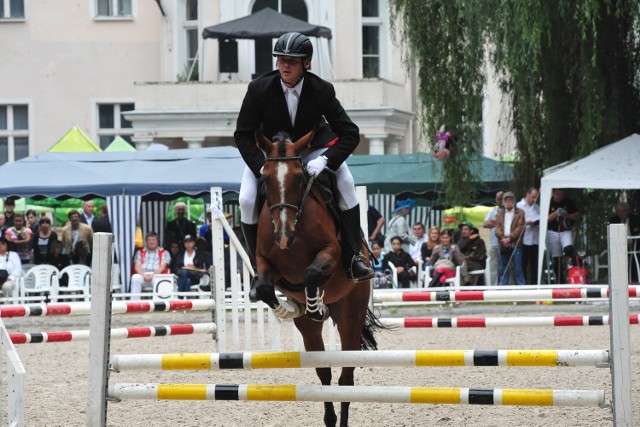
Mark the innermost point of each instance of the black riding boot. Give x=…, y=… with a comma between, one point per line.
x=435, y=281
x=250, y=232
x=352, y=246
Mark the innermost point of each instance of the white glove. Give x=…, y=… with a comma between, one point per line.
x=317, y=165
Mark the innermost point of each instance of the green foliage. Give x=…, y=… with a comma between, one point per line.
x=569, y=69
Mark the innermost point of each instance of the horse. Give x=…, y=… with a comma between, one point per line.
x=298, y=253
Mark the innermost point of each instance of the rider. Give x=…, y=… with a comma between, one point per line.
x=293, y=100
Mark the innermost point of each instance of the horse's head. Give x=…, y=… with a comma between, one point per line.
x=284, y=179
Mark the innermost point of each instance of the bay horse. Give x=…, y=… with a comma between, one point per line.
x=298, y=253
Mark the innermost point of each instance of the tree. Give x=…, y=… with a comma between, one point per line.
x=569, y=68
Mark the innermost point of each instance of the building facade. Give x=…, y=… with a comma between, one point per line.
x=140, y=69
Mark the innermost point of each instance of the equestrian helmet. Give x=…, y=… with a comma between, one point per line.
x=293, y=44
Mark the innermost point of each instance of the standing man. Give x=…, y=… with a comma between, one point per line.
x=623, y=216
x=563, y=214
x=102, y=223
x=509, y=230
x=530, y=244
x=86, y=216
x=9, y=214
x=179, y=227
x=77, y=239
x=415, y=249
x=494, y=245
x=293, y=100
x=375, y=221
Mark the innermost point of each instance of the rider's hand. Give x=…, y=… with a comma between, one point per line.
x=315, y=166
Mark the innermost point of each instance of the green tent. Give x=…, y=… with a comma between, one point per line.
x=119, y=144
x=75, y=141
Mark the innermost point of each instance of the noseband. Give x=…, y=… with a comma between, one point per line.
x=305, y=192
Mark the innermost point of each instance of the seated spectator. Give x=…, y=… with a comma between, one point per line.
x=174, y=253
x=42, y=241
x=148, y=262
x=59, y=260
x=10, y=268
x=474, y=250
x=405, y=267
x=377, y=263
x=189, y=258
x=3, y=227
x=19, y=237
x=433, y=239
x=415, y=248
x=445, y=258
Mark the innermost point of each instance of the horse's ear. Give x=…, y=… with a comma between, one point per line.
x=263, y=142
x=303, y=142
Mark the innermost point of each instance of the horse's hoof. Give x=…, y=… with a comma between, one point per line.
x=317, y=315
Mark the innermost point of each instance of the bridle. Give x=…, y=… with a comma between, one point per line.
x=305, y=191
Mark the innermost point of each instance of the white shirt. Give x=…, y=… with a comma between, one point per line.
x=188, y=259
x=292, y=96
x=531, y=213
x=11, y=262
x=416, y=248
x=508, y=219
x=491, y=216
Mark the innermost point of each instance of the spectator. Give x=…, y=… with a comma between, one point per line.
x=77, y=239
x=445, y=258
x=3, y=227
x=375, y=221
x=474, y=250
x=398, y=225
x=188, y=259
x=102, y=224
x=178, y=228
x=205, y=230
x=563, y=214
x=86, y=215
x=9, y=206
x=32, y=221
x=433, y=240
x=148, y=262
x=530, y=247
x=20, y=237
x=405, y=267
x=42, y=241
x=632, y=223
x=494, y=245
x=415, y=249
x=174, y=253
x=10, y=268
x=377, y=263
x=59, y=260
x=509, y=231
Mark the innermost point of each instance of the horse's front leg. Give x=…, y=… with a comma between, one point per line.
x=264, y=290
x=320, y=270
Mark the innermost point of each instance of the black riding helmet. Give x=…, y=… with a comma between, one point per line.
x=293, y=44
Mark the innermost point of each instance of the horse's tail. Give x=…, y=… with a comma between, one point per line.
x=371, y=325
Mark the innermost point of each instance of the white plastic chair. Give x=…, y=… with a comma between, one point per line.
x=40, y=280
x=79, y=281
x=600, y=263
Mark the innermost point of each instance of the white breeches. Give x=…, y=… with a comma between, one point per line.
x=556, y=242
x=137, y=284
x=249, y=212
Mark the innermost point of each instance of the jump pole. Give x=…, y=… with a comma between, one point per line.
x=619, y=326
x=380, y=358
x=319, y=393
x=499, y=322
x=100, y=326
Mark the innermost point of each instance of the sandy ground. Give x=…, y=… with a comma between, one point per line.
x=57, y=376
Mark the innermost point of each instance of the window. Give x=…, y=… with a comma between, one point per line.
x=111, y=123
x=114, y=8
x=264, y=47
x=14, y=132
x=192, y=34
x=371, y=24
x=12, y=9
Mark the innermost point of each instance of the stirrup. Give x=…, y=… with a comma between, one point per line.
x=360, y=258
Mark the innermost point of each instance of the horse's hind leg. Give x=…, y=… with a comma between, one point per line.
x=312, y=336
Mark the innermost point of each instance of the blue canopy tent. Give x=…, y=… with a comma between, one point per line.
x=125, y=180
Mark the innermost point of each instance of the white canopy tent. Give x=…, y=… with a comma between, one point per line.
x=614, y=167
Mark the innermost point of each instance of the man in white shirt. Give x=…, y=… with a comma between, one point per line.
x=494, y=245
x=9, y=262
x=415, y=248
x=530, y=239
